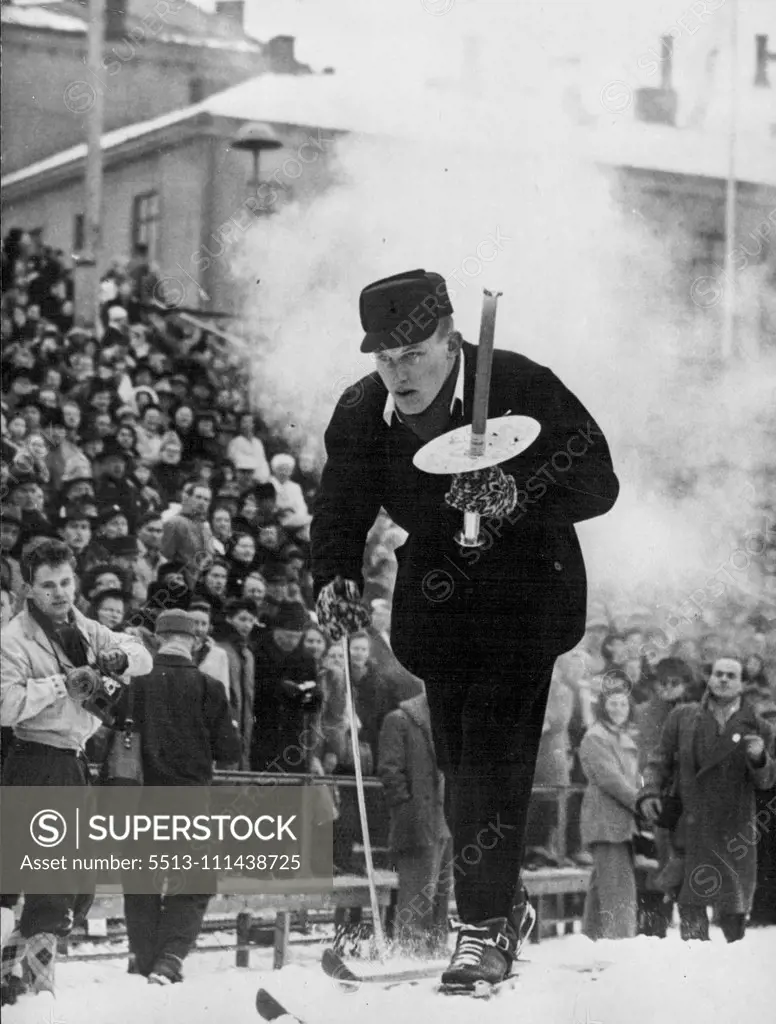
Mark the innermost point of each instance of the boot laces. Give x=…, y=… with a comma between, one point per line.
x=468, y=952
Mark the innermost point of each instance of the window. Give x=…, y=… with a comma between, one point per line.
x=196, y=90
x=709, y=255
x=145, y=222
x=79, y=237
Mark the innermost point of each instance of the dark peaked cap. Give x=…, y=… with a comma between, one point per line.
x=403, y=310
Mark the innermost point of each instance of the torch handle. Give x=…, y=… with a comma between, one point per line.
x=484, y=366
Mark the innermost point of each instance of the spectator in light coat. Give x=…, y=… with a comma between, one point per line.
x=419, y=838
x=187, y=538
x=553, y=768
x=241, y=619
x=208, y=656
x=609, y=759
x=246, y=450
x=291, y=506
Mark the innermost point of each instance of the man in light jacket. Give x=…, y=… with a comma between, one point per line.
x=187, y=537
x=40, y=648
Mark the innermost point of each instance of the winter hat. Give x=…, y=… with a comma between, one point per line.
x=77, y=511
x=108, y=512
x=175, y=621
x=291, y=615
x=275, y=572
x=117, y=315
x=282, y=459
x=263, y=492
x=121, y=547
x=112, y=449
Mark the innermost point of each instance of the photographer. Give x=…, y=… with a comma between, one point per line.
x=54, y=696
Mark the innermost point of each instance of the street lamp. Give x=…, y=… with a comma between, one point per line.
x=255, y=137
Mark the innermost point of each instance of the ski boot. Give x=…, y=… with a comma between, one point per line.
x=168, y=970
x=483, y=956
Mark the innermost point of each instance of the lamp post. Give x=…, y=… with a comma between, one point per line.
x=87, y=264
x=255, y=138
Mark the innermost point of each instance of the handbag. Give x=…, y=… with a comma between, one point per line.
x=124, y=763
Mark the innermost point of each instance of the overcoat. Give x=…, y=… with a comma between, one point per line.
x=414, y=786
x=609, y=759
x=717, y=832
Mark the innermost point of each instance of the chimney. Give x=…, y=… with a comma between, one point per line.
x=280, y=52
x=234, y=10
x=115, y=19
x=659, y=106
x=763, y=58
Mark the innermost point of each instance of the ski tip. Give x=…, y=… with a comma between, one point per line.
x=268, y=1007
x=336, y=968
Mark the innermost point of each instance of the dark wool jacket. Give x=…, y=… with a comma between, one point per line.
x=717, y=833
x=185, y=722
x=531, y=572
x=281, y=715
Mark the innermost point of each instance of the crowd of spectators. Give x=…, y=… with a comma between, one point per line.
x=136, y=445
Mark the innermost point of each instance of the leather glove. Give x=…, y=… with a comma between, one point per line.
x=113, y=662
x=339, y=609
x=650, y=808
x=82, y=683
x=488, y=491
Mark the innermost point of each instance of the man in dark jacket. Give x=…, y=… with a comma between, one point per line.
x=286, y=694
x=185, y=723
x=482, y=627
x=720, y=752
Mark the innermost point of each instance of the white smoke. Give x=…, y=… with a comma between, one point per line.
x=502, y=195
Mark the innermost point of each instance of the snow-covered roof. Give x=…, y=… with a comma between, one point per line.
x=403, y=110
x=41, y=18
x=187, y=26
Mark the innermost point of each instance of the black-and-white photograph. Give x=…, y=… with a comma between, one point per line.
x=388, y=511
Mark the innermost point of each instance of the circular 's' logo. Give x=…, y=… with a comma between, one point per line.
x=48, y=828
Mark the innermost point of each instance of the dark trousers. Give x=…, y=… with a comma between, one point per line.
x=36, y=764
x=655, y=913
x=487, y=724
x=694, y=924
x=160, y=925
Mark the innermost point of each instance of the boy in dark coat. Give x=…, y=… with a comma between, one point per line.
x=185, y=724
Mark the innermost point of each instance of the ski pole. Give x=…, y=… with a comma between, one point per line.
x=370, y=871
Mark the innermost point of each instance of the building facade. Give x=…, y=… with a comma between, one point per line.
x=158, y=56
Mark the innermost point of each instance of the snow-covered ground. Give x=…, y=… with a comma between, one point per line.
x=644, y=981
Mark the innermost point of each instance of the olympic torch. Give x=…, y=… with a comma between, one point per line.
x=486, y=442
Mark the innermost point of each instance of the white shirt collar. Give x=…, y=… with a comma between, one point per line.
x=390, y=404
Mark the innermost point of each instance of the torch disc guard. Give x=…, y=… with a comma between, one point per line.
x=505, y=437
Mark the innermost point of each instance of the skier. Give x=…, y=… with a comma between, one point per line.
x=482, y=627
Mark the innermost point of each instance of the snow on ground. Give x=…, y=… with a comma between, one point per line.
x=568, y=981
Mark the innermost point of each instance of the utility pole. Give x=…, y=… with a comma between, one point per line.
x=87, y=274
x=730, y=289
